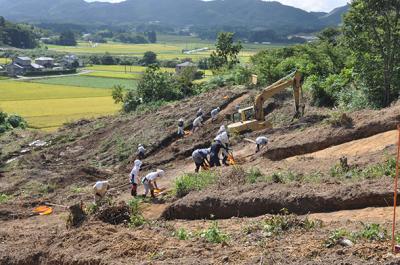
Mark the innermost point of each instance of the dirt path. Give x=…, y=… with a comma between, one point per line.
x=360, y=147
x=368, y=215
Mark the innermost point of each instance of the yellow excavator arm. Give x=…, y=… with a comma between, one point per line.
x=293, y=79
x=258, y=122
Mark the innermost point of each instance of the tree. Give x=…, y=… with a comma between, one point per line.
x=67, y=38
x=152, y=36
x=372, y=32
x=157, y=85
x=226, y=53
x=149, y=58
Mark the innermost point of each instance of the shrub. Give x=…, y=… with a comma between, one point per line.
x=191, y=182
x=254, y=175
x=136, y=217
x=213, y=234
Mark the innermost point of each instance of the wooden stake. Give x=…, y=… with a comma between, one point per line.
x=395, y=193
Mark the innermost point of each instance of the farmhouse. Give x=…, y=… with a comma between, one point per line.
x=45, y=61
x=181, y=67
x=42, y=66
x=22, y=65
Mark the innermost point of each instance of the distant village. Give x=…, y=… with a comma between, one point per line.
x=25, y=66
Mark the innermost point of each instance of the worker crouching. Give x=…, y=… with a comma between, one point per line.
x=150, y=183
x=200, y=158
x=100, y=190
x=261, y=142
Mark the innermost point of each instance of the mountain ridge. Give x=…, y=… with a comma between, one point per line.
x=246, y=13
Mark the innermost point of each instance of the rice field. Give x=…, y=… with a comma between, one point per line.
x=49, y=106
x=5, y=60
x=123, y=68
x=92, y=81
x=170, y=49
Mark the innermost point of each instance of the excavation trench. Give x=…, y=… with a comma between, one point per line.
x=256, y=200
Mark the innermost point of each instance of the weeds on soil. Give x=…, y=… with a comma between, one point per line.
x=182, y=234
x=136, y=217
x=191, y=182
x=371, y=232
x=4, y=198
x=213, y=234
x=387, y=168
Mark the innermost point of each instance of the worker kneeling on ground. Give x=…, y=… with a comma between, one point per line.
x=100, y=190
x=197, y=123
x=214, y=114
x=261, y=141
x=149, y=182
x=200, y=158
x=134, y=176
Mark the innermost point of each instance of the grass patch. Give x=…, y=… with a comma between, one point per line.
x=278, y=224
x=213, y=234
x=191, y=182
x=387, y=168
x=182, y=234
x=4, y=198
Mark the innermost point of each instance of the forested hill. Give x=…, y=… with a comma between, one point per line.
x=243, y=13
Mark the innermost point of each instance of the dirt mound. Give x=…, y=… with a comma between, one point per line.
x=255, y=200
x=366, y=124
x=115, y=214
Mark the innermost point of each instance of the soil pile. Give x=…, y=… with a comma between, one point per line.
x=114, y=214
x=255, y=200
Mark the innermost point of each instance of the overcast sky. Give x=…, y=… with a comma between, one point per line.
x=309, y=5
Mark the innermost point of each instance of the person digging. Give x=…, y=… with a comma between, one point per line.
x=140, y=151
x=200, y=158
x=214, y=114
x=149, y=182
x=223, y=139
x=197, y=123
x=100, y=190
x=261, y=142
x=134, y=176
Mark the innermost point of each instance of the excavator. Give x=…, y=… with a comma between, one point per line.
x=253, y=118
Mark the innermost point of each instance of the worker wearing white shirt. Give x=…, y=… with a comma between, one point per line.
x=100, y=190
x=197, y=123
x=134, y=176
x=149, y=182
x=214, y=114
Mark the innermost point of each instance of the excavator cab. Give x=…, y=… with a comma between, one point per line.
x=245, y=114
